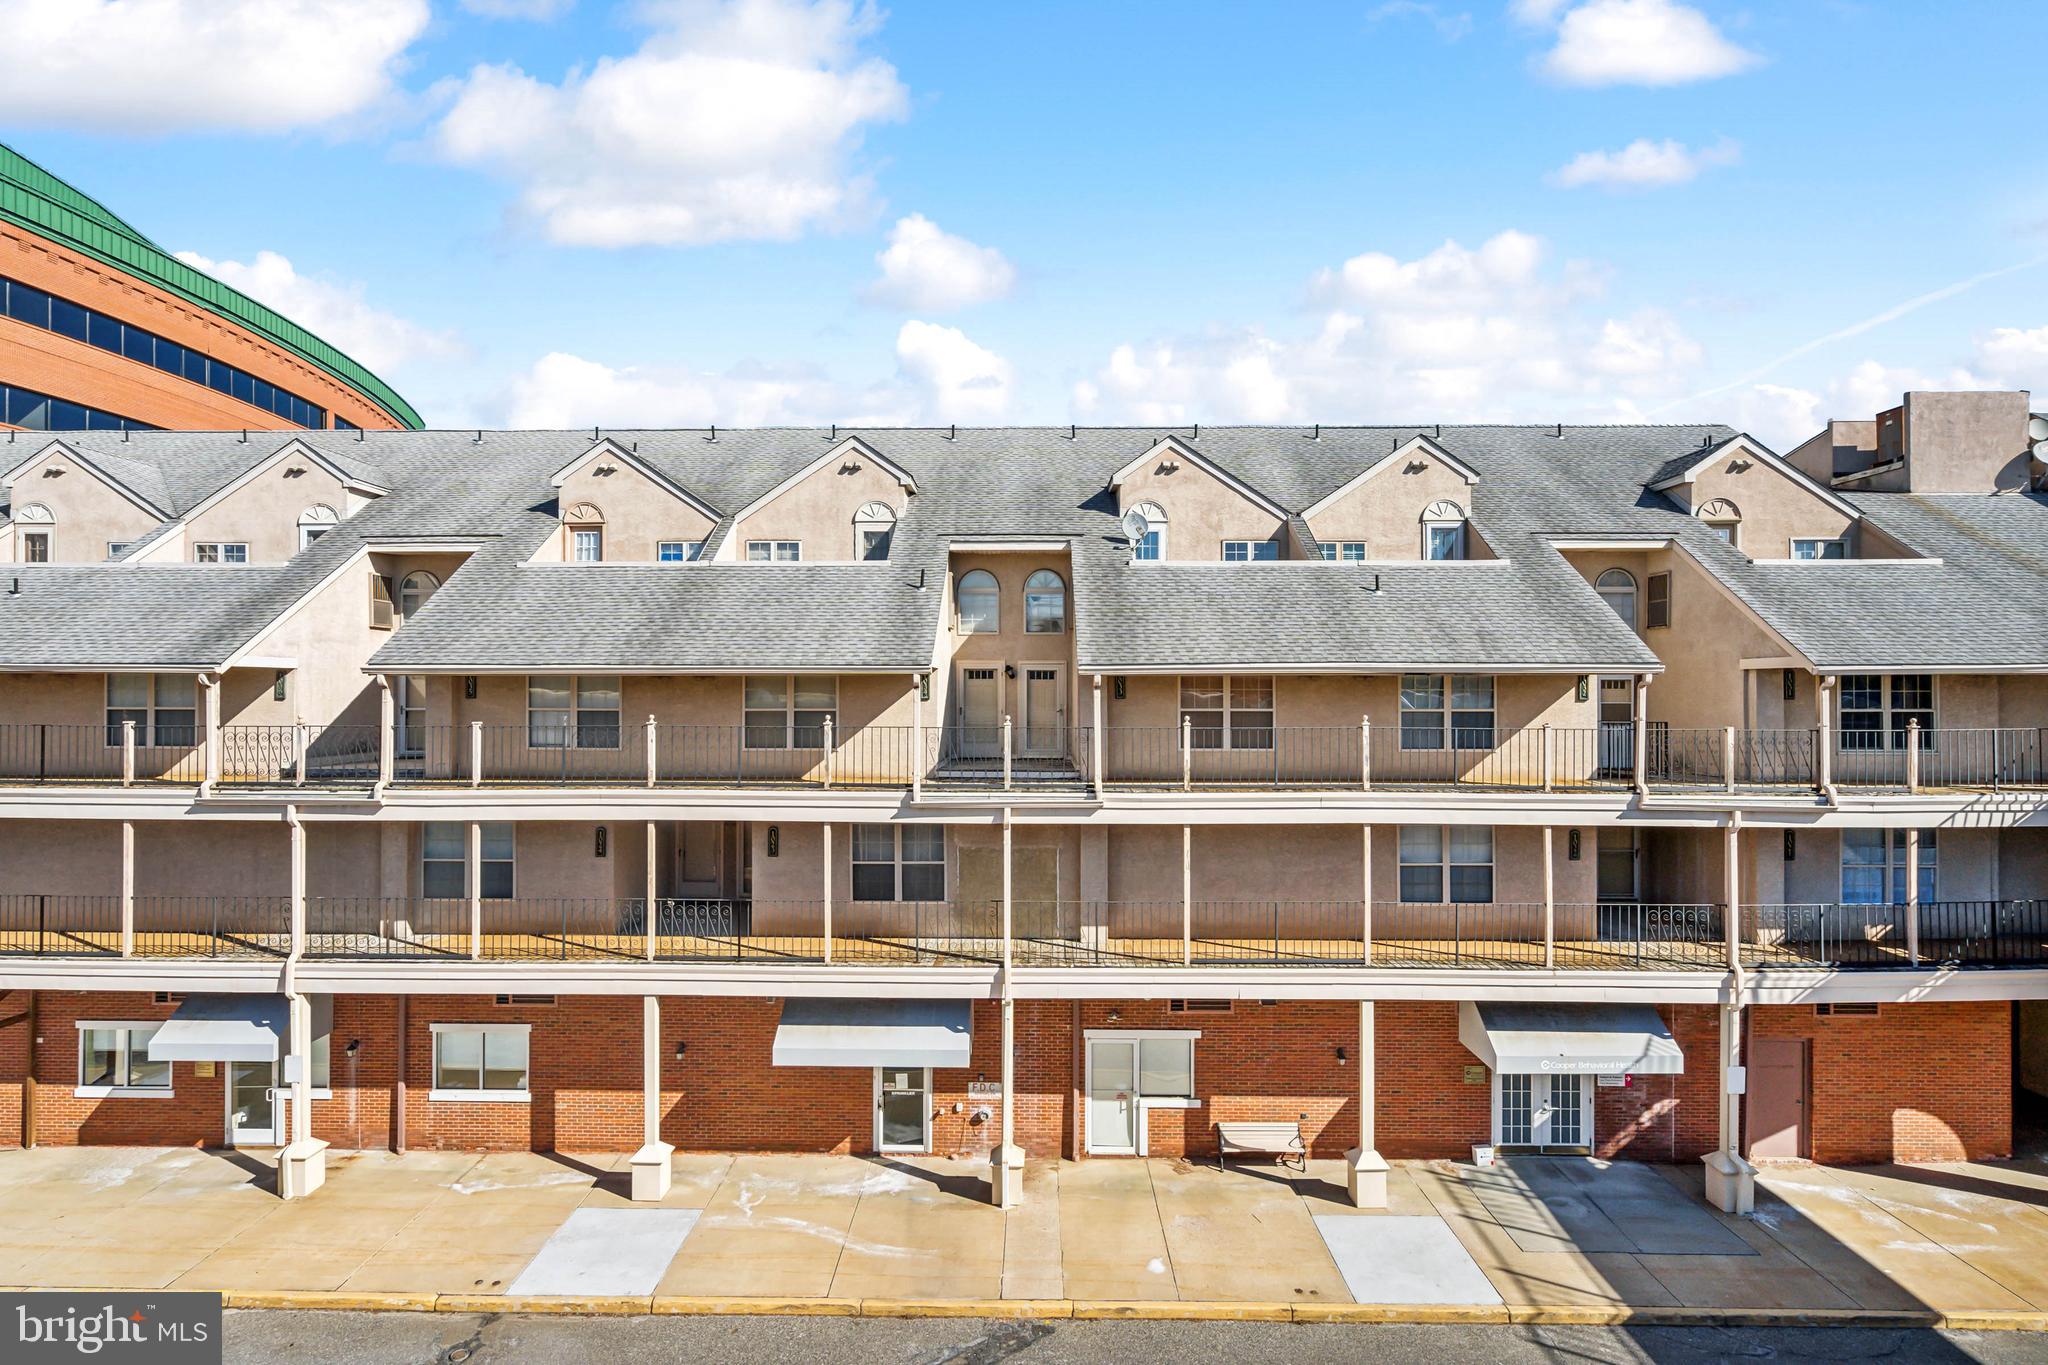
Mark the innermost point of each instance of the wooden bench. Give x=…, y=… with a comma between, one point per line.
x=1281, y=1139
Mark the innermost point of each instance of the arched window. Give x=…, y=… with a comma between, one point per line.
x=413, y=593
x=1443, y=531
x=1045, y=604
x=584, y=525
x=1617, y=588
x=873, y=525
x=35, y=524
x=1145, y=524
x=315, y=522
x=1724, y=519
x=981, y=603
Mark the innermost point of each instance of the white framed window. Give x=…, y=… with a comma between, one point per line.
x=315, y=522
x=1874, y=866
x=788, y=711
x=586, y=544
x=1165, y=1073
x=414, y=591
x=565, y=712
x=899, y=862
x=1439, y=711
x=444, y=860
x=1145, y=524
x=1876, y=708
x=113, y=1059
x=220, y=552
x=775, y=551
x=1443, y=531
x=35, y=547
x=1816, y=547
x=1723, y=520
x=117, y=548
x=1227, y=712
x=1247, y=551
x=1617, y=588
x=873, y=526
x=1446, y=863
x=980, y=603
x=678, y=551
x=1045, y=604
x=164, y=708
x=481, y=1062
x=1344, y=551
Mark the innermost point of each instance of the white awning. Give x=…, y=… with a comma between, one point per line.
x=233, y=1028
x=1524, y=1036
x=864, y=1033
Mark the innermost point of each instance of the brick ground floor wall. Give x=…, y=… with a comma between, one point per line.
x=1917, y=1083
x=1928, y=1082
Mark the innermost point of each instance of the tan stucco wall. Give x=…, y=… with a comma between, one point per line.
x=264, y=512
x=818, y=510
x=1201, y=510
x=1011, y=644
x=1386, y=510
x=88, y=513
x=1965, y=442
x=638, y=512
x=1775, y=508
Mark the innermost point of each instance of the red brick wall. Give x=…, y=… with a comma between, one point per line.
x=194, y=1116
x=1424, y=1106
x=13, y=1063
x=1667, y=1118
x=1928, y=1082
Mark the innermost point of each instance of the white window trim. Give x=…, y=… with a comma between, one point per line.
x=220, y=549
x=1066, y=597
x=895, y=865
x=574, y=737
x=1230, y=712
x=1146, y=1104
x=1884, y=711
x=789, y=710
x=1251, y=555
x=1634, y=618
x=865, y=521
x=1588, y=1083
x=1153, y=525
x=467, y=889
x=576, y=531
x=959, y=621
x=1929, y=840
x=1446, y=711
x=1333, y=551
x=773, y=545
x=691, y=550
x=118, y=1092
x=1821, y=541
x=404, y=579
x=117, y=548
x=523, y=1096
x=1431, y=524
x=1443, y=865
x=145, y=730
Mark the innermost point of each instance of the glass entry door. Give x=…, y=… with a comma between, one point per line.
x=1543, y=1112
x=1113, y=1097
x=903, y=1109
x=252, y=1104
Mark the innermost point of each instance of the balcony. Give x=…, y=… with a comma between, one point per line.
x=1950, y=933
x=1011, y=758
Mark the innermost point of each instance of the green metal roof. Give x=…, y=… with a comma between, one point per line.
x=34, y=199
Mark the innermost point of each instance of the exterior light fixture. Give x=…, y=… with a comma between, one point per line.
x=604, y=840
x=1343, y=1056
x=469, y=687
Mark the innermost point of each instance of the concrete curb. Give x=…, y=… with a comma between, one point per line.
x=1158, y=1310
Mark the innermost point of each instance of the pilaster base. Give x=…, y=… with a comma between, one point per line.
x=1365, y=1176
x=652, y=1174
x=301, y=1169
x=1006, y=1177
x=1731, y=1182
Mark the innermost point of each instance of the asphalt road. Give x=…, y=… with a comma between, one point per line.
x=456, y=1339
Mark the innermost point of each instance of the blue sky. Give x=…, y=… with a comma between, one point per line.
x=569, y=212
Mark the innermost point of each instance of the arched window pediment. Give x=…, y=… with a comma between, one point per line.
x=583, y=513
x=35, y=514
x=1719, y=509
x=1443, y=510
x=1145, y=525
x=319, y=514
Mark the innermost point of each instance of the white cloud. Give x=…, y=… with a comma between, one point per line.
x=1493, y=332
x=158, y=66
x=1634, y=42
x=1450, y=26
x=2015, y=357
x=334, y=311
x=537, y=10
x=927, y=269
x=735, y=119
x=1643, y=164
x=955, y=379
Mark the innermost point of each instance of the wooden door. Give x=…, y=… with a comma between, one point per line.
x=1778, y=1084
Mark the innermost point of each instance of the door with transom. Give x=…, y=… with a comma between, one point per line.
x=1533, y=1111
x=1045, y=711
x=979, y=727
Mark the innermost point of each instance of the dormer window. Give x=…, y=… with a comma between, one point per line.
x=584, y=526
x=775, y=551
x=35, y=544
x=1247, y=551
x=873, y=525
x=1443, y=531
x=315, y=522
x=1724, y=519
x=678, y=551
x=1145, y=524
x=220, y=552
x=1816, y=548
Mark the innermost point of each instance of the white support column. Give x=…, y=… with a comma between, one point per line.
x=1642, y=736
x=1549, y=900
x=652, y=1173
x=302, y=1165
x=1008, y=751
x=1365, y=752
x=1098, y=740
x=1731, y=888
x=1728, y=758
x=1549, y=760
x=127, y=888
x=916, y=738
x=127, y=753
x=825, y=908
x=1006, y=1163
x=476, y=753
x=1365, y=1171
x=298, y=882
x=209, y=686
x=299, y=741
x=1187, y=754
x=653, y=751
x=653, y=884
x=1365, y=887
x=1731, y=1181
x=1913, y=894
x=1824, y=737
x=473, y=860
x=387, y=730
x=1187, y=895
x=825, y=761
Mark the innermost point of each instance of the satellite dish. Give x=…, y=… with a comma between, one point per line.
x=2037, y=429
x=2041, y=451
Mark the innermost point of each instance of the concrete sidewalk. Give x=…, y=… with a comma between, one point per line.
x=1948, y=1238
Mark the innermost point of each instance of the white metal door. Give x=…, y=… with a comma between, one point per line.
x=1113, y=1097
x=1044, y=709
x=903, y=1109
x=252, y=1104
x=981, y=700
